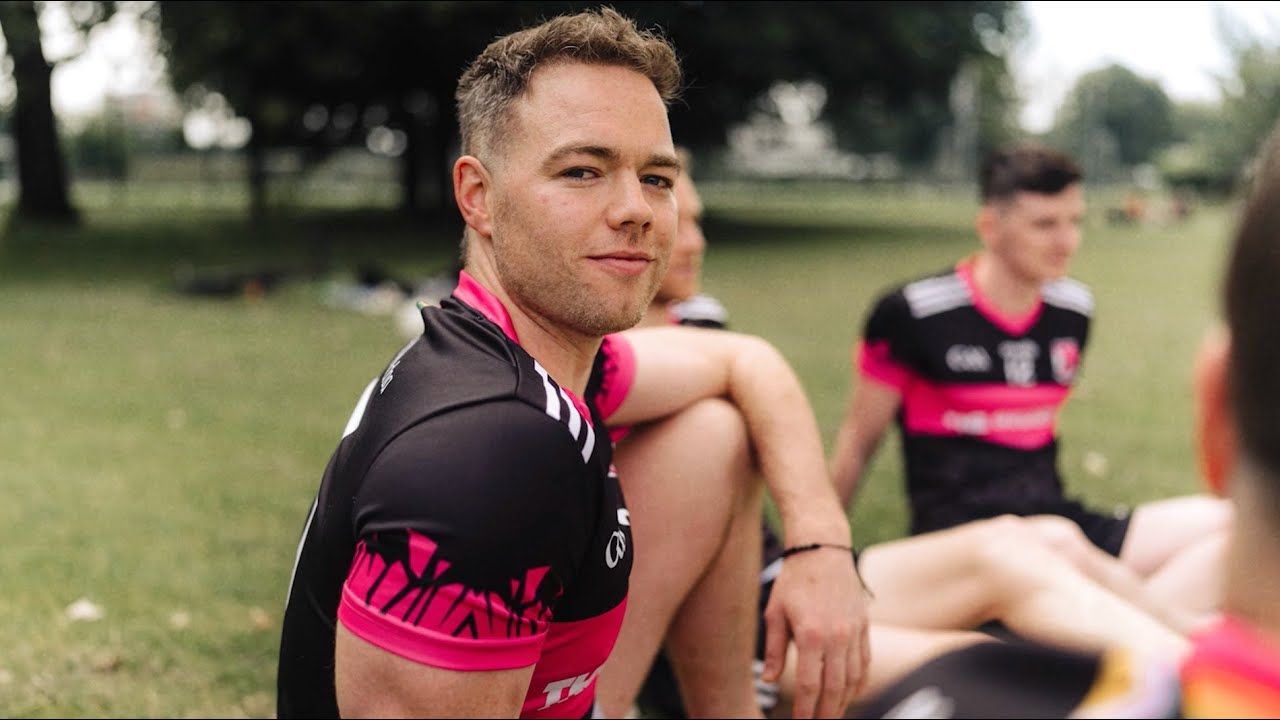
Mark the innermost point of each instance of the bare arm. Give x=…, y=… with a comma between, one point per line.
x=870, y=411
x=372, y=682
x=816, y=599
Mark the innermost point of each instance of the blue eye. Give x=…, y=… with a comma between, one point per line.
x=658, y=181
x=580, y=173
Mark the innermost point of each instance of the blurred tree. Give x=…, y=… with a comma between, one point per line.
x=1113, y=116
x=383, y=73
x=42, y=174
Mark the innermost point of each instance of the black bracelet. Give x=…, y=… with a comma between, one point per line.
x=797, y=549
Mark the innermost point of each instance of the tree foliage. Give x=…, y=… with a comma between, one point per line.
x=1114, y=117
x=360, y=65
x=42, y=175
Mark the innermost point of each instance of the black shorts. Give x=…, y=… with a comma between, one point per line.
x=1107, y=531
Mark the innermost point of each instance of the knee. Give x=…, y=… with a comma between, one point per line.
x=1061, y=535
x=1005, y=550
x=718, y=424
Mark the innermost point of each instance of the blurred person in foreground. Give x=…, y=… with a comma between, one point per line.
x=679, y=473
x=974, y=364
x=1233, y=669
x=469, y=549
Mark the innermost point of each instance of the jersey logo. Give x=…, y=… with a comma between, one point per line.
x=968, y=358
x=557, y=691
x=1019, y=361
x=617, y=545
x=1064, y=354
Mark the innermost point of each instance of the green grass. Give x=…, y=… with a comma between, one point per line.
x=158, y=453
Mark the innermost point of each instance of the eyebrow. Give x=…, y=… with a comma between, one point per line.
x=610, y=155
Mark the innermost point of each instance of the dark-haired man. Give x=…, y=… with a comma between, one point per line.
x=1233, y=668
x=975, y=363
x=469, y=550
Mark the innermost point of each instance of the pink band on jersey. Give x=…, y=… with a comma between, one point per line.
x=1012, y=324
x=479, y=298
x=402, y=598
x=875, y=361
x=1020, y=417
x=565, y=687
x=619, y=374
x=1234, y=646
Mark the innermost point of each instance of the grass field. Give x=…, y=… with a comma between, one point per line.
x=158, y=453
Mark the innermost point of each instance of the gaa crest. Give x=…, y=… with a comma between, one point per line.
x=1064, y=353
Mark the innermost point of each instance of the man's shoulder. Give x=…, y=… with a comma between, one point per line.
x=925, y=296
x=1069, y=294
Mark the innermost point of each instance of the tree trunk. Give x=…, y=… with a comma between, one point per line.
x=411, y=167
x=256, y=153
x=42, y=174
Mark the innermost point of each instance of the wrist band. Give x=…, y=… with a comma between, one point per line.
x=797, y=549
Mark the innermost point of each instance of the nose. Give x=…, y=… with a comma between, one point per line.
x=629, y=209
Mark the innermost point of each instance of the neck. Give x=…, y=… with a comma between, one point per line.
x=1010, y=294
x=566, y=354
x=1252, y=582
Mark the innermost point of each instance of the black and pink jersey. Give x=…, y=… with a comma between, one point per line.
x=470, y=519
x=981, y=392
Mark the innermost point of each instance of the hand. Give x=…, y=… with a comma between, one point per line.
x=818, y=600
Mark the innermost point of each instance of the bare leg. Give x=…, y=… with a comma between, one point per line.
x=688, y=485
x=895, y=651
x=1065, y=537
x=1178, y=544
x=1000, y=569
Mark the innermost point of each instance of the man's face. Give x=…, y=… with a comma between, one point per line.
x=1034, y=235
x=684, y=274
x=583, y=202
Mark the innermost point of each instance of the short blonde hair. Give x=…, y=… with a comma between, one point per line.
x=500, y=74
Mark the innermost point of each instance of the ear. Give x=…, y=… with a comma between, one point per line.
x=987, y=224
x=471, y=189
x=1215, y=421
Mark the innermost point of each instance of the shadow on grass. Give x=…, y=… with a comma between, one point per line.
x=153, y=246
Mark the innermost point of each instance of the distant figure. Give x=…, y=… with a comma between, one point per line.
x=1233, y=669
x=974, y=364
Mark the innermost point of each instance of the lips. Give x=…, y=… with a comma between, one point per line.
x=623, y=263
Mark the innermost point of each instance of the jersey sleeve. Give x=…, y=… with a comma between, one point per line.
x=885, y=351
x=465, y=538
x=616, y=374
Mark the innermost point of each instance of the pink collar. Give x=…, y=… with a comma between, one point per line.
x=486, y=303
x=1012, y=324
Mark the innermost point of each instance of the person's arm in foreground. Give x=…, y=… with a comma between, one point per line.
x=376, y=683
x=817, y=599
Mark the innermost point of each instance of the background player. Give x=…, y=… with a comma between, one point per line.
x=1233, y=669
x=975, y=363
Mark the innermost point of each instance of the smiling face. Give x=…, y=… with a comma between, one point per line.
x=684, y=273
x=1033, y=236
x=582, y=202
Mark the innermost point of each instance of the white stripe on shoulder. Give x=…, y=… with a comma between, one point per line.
x=1069, y=294
x=353, y=422
x=575, y=417
x=937, y=294
x=702, y=308
x=553, y=397
x=590, y=443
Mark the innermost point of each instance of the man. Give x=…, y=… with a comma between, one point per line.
x=468, y=552
x=1233, y=669
x=685, y=476
x=975, y=363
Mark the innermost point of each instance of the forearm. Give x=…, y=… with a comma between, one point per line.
x=847, y=463
x=788, y=444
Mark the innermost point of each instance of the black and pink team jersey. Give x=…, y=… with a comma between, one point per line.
x=470, y=519
x=980, y=393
